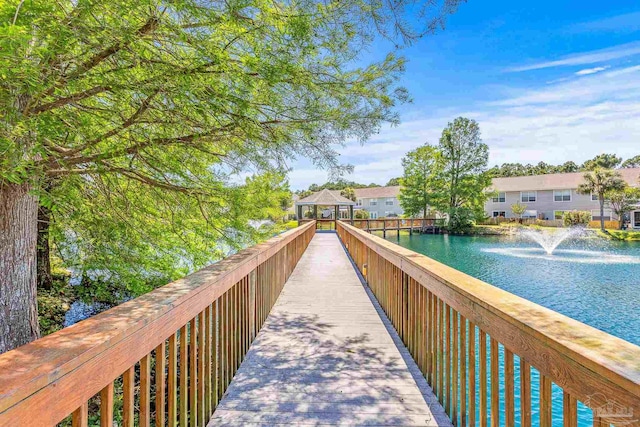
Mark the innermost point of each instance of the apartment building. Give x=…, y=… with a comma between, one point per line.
x=549, y=196
x=380, y=202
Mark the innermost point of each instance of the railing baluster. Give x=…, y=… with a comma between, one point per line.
x=80, y=417
x=184, y=376
x=545, y=401
x=227, y=340
x=448, y=399
x=483, y=378
x=441, y=351
x=160, y=384
x=463, y=371
x=207, y=362
x=525, y=393
x=193, y=373
x=172, y=382
x=472, y=373
x=215, y=362
x=455, y=366
x=509, y=386
x=570, y=410
x=431, y=359
x=106, y=406
x=145, y=391
x=128, y=395
x=201, y=373
x=495, y=386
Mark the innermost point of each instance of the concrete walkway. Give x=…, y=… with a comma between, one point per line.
x=326, y=356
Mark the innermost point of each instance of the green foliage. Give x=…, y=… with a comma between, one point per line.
x=393, y=182
x=576, y=218
x=361, y=214
x=542, y=168
x=339, y=184
x=423, y=169
x=602, y=161
x=518, y=209
x=622, y=200
x=601, y=181
x=461, y=220
x=349, y=193
x=633, y=162
x=139, y=118
x=464, y=176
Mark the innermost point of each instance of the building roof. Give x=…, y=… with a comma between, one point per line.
x=326, y=198
x=556, y=181
x=377, y=192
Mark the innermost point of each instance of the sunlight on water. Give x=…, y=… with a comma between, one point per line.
x=566, y=255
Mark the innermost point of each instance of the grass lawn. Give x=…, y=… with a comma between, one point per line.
x=626, y=235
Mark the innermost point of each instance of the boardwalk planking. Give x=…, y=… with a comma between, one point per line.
x=326, y=357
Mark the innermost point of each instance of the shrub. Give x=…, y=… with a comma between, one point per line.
x=460, y=220
x=361, y=214
x=576, y=218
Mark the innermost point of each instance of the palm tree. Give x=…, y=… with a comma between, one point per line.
x=601, y=181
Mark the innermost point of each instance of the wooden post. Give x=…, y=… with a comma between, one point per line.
x=384, y=228
x=351, y=213
x=337, y=210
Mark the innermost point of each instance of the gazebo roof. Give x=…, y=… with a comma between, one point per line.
x=325, y=198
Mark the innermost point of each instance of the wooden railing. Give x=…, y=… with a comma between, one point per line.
x=379, y=224
x=168, y=355
x=394, y=224
x=474, y=343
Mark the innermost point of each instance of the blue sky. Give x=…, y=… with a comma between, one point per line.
x=547, y=81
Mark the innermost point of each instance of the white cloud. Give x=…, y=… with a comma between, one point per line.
x=554, y=123
x=594, y=70
x=592, y=57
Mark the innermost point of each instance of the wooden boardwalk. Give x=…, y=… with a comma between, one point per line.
x=328, y=356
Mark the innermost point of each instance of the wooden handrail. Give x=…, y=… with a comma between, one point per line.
x=43, y=382
x=433, y=306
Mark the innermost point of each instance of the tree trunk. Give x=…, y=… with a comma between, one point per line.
x=602, y=212
x=18, y=237
x=45, y=279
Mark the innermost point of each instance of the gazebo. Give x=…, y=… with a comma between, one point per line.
x=326, y=199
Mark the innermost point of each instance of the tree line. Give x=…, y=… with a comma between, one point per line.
x=607, y=161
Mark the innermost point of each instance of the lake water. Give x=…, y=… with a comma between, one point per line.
x=594, y=281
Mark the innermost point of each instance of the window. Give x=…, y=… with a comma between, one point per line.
x=558, y=214
x=595, y=215
x=528, y=196
x=561, y=195
x=373, y=215
x=594, y=197
x=501, y=198
x=373, y=202
x=530, y=214
x=359, y=202
x=499, y=214
x=389, y=201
